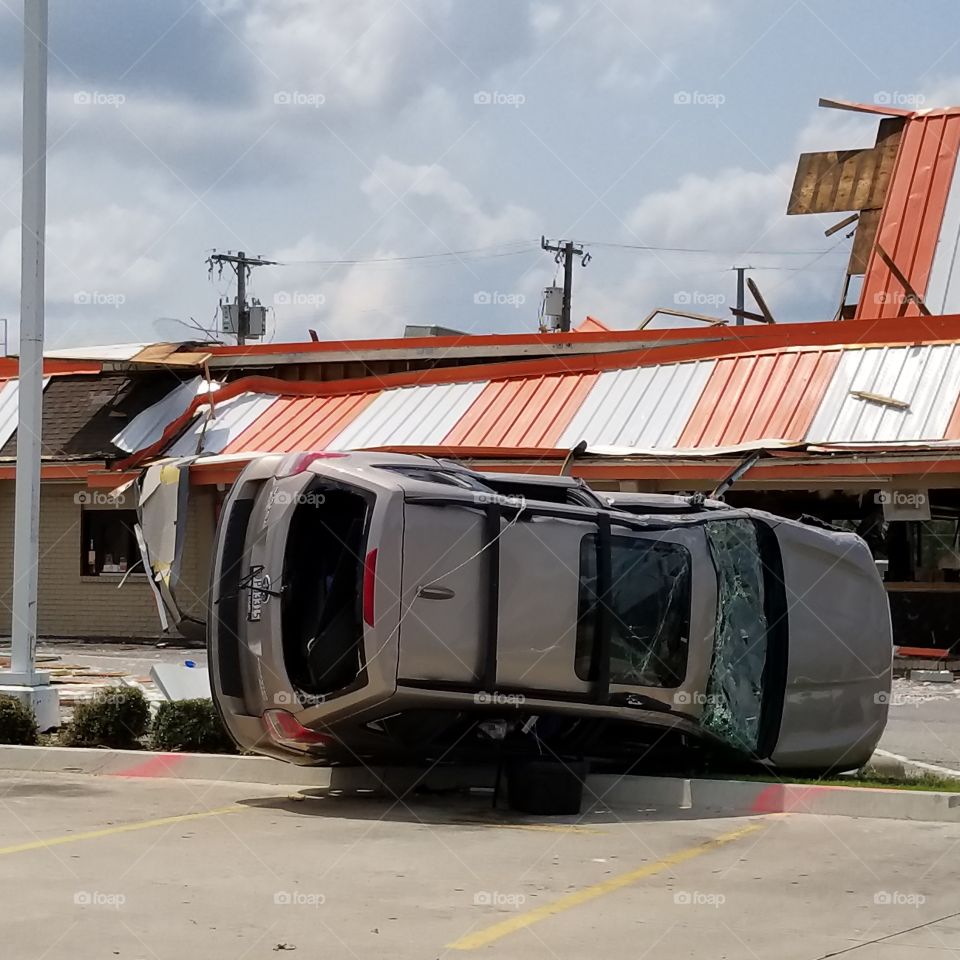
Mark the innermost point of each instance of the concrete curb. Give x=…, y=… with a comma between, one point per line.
x=690, y=796
x=751, y=797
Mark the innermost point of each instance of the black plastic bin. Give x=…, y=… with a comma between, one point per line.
x=546, y=787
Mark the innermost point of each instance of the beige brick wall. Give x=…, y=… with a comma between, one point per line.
x=73, y=605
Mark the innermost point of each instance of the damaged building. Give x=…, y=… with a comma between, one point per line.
x=854, y=422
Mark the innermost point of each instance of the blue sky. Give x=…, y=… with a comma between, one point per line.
x=307, y=130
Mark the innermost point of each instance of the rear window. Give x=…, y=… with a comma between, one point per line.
x=649, y=608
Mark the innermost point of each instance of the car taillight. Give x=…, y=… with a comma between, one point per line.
x=369, y=586
x=298, y=462
x=284, y=728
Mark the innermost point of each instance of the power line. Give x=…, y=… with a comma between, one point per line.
x=495, y=250
x=713, y=251
x=518, y=247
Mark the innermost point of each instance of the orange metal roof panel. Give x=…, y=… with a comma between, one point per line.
x=760, y=397
x=301, y=423
x=529, y=412
x=912, y=214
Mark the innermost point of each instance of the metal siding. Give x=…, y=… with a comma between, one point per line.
x=644, y=407
x=231, y=419
x=409, y=416
x=943, y=287
x=769, y=396
x=926, y=377
x=913, y=214
x=10, y=408
x=528, y=413
x=147, y=426
x=301, y=423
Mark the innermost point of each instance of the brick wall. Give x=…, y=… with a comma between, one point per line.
x=74, y=605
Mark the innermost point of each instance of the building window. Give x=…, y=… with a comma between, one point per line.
x=108, y=544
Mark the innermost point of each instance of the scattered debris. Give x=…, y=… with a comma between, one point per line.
x=180, y=682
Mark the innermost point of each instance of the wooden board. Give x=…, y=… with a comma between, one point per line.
x=834, y=181
x=863, y=241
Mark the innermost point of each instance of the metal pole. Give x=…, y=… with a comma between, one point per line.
x=26, y=547
x=241, y=299
x=741, y=301
x=567, y=286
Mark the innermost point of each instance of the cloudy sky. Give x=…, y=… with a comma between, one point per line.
x=311, y=131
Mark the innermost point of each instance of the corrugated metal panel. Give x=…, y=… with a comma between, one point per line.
x=106, y=351
x=301, y=423
x=768, y=396
x=10, y=408
x=644, y=407
x=147, y=426
x=409, y=416
x=927, y=378
x=943, y=289
x=231, y=418
x=913, y=213
x=530, y=412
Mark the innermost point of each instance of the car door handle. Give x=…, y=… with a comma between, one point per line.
x=436, y=593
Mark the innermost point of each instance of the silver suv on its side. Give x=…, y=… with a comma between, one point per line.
x=370, y=607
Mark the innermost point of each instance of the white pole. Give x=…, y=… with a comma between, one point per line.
x=26, y=547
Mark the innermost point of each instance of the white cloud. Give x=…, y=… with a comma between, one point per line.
x=453, y=214
x=629, y=44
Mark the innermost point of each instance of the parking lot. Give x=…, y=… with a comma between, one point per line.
x=110, y=867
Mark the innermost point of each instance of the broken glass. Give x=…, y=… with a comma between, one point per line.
x=735, y=685
x=648, y=603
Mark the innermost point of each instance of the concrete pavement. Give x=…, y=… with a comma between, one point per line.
x=96, y=867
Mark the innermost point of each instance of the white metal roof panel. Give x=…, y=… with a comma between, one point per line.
x=943, y=286
x=409, y=416
x=231, y=418
x=147, y=426
x=926, y=378
x=645, y=407
x=106, y=351
x=10, y=408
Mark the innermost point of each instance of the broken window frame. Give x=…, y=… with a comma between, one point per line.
x=663, y=664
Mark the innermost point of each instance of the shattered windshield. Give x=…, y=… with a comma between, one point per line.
x=649, y=610
x=735, y=687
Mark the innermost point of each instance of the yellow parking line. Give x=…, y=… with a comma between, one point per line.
x=499, y=930
x=120, y=828
x=546, y=827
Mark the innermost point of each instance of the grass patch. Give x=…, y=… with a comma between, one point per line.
x=926, y=781
x=922, y=781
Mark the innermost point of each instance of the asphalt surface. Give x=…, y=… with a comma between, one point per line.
x=101, y=867
x=924, y=722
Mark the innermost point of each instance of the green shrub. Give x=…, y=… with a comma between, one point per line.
x=17, y=723
x=114, y=717
x=193, y=726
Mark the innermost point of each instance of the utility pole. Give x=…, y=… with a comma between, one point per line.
x=565, y=251
x=23, y=680
x=741, y=301
x=241, y=264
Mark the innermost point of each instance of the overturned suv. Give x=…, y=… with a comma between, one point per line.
x=369, y=607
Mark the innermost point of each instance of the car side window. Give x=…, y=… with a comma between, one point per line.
x=648, y=603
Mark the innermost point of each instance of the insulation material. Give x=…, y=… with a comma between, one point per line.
x=162, y=512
